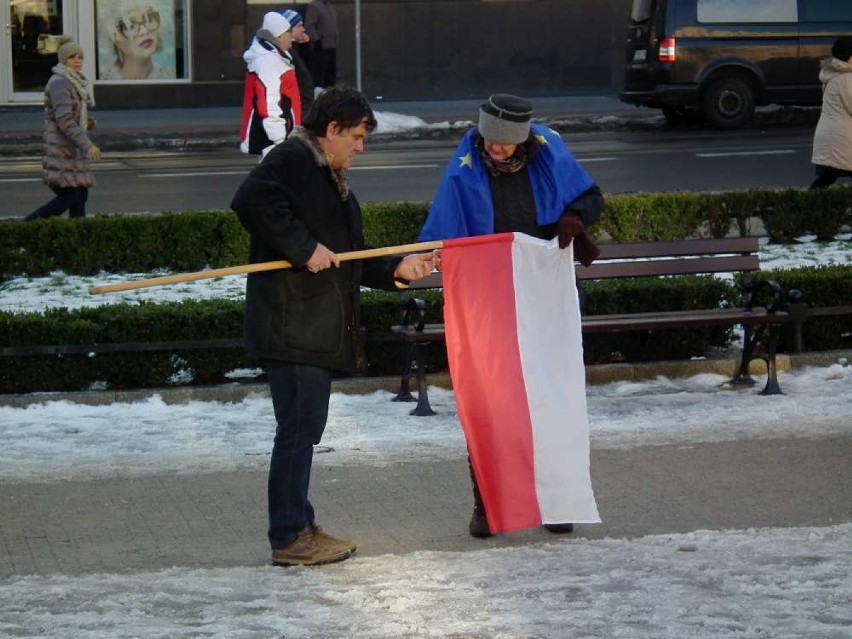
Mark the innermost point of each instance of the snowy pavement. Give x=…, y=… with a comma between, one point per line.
x=780, y=584
x=774, y=582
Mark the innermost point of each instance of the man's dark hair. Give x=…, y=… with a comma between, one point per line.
x=341, y=104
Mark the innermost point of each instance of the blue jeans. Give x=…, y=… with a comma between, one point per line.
x=69, y=198
x=300, y=395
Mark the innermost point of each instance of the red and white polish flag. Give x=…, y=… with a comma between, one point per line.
x=512, y=318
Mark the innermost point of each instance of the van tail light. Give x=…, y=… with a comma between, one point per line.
x=667, y=50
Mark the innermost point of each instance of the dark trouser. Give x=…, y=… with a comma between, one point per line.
x=69, y=198
x=300, y=395
x=827, y=175
x=324, y=66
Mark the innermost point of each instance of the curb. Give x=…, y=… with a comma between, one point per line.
x=595, y=375
x=215, y=137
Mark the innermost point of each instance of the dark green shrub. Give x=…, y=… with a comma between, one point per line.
x=649, y=218
x=393, y=224
x=180, y=242
x=821, y=286
x=118, y=324
x=648, y=294
x=783, y=215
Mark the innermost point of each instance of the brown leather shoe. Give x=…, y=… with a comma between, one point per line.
x=307, y=550
x=325, y=539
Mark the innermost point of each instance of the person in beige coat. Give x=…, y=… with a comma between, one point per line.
x=832, y=152
x=67, y=147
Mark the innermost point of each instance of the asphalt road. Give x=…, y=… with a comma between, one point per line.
x=621, y=161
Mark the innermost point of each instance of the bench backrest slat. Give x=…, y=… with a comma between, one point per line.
x=649, y=268
x=743, y=245
x=685, y=257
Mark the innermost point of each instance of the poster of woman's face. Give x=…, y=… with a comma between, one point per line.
x=136, y=39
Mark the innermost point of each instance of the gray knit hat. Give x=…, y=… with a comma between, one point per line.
x=68, y=49
x=505, y=119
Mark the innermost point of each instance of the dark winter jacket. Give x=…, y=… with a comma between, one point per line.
x=304, y=80
x=321, y=24
x=288, y=204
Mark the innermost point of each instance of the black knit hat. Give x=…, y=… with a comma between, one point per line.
x=505, y=119
x=842, y=49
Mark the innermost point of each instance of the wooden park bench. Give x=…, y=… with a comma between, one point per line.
x=648, y=259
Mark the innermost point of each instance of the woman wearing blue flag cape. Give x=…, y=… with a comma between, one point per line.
x=509, y=175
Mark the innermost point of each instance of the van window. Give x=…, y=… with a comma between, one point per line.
x=826, y=11
x=717, y=11
x=642, y=10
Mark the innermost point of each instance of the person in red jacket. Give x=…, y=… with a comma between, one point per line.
x=271, y=100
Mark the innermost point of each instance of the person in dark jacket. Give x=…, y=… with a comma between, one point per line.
x=301, y=40
x=68, y=151
x=302, y=322
x=321, y=24
x=509, y=175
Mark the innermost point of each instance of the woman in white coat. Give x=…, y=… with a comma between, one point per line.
x=832, y=153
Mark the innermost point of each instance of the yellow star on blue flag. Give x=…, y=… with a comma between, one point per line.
x=466, y=160
x=541, y=139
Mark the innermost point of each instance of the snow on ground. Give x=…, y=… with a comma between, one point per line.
x=770, y=583
x=387, y=122
x=56, y=440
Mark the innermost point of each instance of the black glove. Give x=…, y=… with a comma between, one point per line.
x=568, y=227
x=585, y=251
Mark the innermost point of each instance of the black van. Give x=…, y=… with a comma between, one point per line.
x=720, y=58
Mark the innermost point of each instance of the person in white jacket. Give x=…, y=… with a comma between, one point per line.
x=832, y=152
x=271, y=101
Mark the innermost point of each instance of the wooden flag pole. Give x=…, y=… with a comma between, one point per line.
x=419, y=247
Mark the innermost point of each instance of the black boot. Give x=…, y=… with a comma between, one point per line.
x=478, y=523
x=560, y=528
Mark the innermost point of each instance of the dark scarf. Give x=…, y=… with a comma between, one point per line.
x=524, y=153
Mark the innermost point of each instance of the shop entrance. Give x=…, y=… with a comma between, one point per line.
x=32, y=35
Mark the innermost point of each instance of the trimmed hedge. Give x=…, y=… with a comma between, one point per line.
x=195, y=240
x=822, y=286
x=222, y=319
x=123, y=244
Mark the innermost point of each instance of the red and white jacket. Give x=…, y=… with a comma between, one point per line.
x=271, y=102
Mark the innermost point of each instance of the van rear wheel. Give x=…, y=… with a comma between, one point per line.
x=728, y=103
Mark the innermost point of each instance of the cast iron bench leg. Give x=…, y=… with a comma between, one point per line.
x=742, y=378
x=423, y=408
x=772, y=387
x=404, y=394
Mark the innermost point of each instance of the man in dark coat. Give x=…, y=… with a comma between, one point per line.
x=302, y=323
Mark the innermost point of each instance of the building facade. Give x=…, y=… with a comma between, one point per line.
x=169, y=53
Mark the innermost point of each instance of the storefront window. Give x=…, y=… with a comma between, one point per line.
x=35, y=27
x=141, y=40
